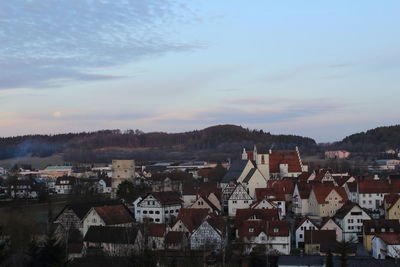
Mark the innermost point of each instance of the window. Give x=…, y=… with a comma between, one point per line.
x=391, y=230
x=383, y=230
x=166, y=211
x=177, y=211
x=283, y=246
x=246, y=201
x=276, y=230
x=138, y=211
x=234, y=202
x=171, y=211
x=300, y=236
x=157, y=212
x=251, y=230
x=157, y=220
x=151, y=212
x=94, y=220
x=372, y=230
x=145, y=212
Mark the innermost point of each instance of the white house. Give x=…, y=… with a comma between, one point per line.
x=350, y=218
x=104, y=185
x=239, y=199
x=116, y=215
x=305, y=224
x=300, y=200
x=64, y=185
x=386, y=245
x=274, y=236
x=158, y=207
x=372, y=192
x=275, y=196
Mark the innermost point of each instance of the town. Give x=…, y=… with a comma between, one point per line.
x=265, y=208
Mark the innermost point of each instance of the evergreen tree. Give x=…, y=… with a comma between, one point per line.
x=329, y=260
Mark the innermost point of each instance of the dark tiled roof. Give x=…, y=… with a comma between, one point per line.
x=390, y=238
x=285, y=186
x=174, y=237
x=345, y=209
x=377, y=225
x=273, y=194
x=319, y=236
x=109, y=234
x=166, y=198
x=249, y=175
x=235, y=170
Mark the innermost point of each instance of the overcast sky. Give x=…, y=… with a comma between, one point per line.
x=323, y=69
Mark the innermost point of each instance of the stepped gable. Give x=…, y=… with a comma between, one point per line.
x=290, y=157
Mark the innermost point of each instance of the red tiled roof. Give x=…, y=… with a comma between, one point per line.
x=300, y=222
x=113, y=215
x=252, y=228
x=272, y=194
x=286, y=186
x=304, y=190
x=376, y=187
x=303, y=177
x=352, y=186
x=390, y=238
x=157, y=229
x=289, y=157
x=260, y=214
x=322, y=191
x=192, y=218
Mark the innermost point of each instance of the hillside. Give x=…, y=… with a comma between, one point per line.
x=372, y=141
x=213, y=143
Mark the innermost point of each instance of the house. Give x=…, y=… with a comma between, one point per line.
x=372, y=192
x=158, y=207
x=239, y=199
x=176, y=241
x=386, y=245
x=320, y=242
x=285, y=187
x=274, y=236
x=113, y=241
x=351, y=191
x=254, y=214
x=209, y=199
x=374, y=227
x=275, y=196
x=325, y=200
x=24, y=188
x=210, y=235
x=329, y=224
x=391, y=206
x=189, y=219
x=246, y=173
x=65, y=184
x=350, y=218
x=226, y=194
x=300, y=200
x=301, y=226
x=155, y=233
x=323, y=176
x=285, y=163
x=337, y=154
x=116, y=215
x=263, y=204
x=72, y=215
x=167, y=181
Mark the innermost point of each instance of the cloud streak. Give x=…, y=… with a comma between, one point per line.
x=44, y=40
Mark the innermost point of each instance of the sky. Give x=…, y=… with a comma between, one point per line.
x=322, y=69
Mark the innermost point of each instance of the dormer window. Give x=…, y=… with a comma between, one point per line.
x=383, y=230
x=372, y=230
x=276, y=230
x=251, y=230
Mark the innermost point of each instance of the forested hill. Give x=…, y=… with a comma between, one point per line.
x=373, y=141
x=216, y=141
